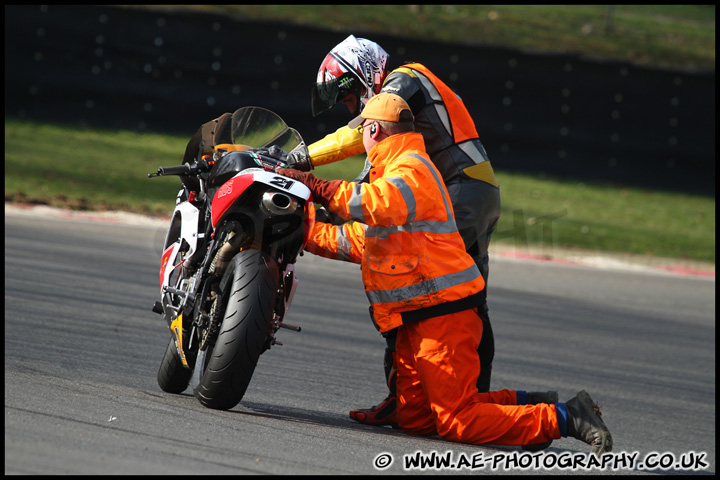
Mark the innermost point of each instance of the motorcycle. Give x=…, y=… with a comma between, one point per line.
x=227, y=272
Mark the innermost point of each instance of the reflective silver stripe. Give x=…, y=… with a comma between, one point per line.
x=355, y=204
x=407, y=195
x=444, y=117
x=470, y=148
x=430, y=226
x=344, y=246
x=423, y=288
x=436, y=97
x=434, y=93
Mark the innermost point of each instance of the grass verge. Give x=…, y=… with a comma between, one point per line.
x=671, y=36
x=103, y=170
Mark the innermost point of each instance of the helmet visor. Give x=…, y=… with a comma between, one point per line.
x=327, y=94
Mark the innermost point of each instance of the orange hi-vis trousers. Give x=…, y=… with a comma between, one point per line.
x=437, y=369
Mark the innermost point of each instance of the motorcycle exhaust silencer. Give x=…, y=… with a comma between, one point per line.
x=278, y=203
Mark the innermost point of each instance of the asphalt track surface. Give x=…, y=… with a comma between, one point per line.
x=82, y=349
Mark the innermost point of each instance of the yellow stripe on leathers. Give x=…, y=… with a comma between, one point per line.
x=482, y=171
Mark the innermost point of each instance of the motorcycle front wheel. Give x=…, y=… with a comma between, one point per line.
x=172, y=376
x=248, y=290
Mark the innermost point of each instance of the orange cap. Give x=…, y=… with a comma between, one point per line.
x=384, y=106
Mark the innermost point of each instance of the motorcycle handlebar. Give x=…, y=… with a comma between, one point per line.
x=179, y=170
x=269, y=163
x=185, y=169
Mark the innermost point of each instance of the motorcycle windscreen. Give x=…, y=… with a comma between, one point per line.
x=259, y=127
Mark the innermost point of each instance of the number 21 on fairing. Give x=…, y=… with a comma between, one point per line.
x=282, y=182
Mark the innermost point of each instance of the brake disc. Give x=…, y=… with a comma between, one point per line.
x=209, y=334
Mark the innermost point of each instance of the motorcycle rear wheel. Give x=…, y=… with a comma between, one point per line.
x=249, y=286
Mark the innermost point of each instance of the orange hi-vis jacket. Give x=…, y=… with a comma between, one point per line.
x=404, y=236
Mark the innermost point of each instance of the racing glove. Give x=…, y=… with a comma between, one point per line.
x=322, y=190
x=273, y=151
x=299, y=158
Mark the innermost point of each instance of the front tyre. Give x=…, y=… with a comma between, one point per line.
x=172, y=376
x=248, y=287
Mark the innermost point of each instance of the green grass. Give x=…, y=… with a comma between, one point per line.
x=609, y=218
x=90, y=170
x=96, y=170
x=661, y=35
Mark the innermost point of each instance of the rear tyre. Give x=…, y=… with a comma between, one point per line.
x=248, y=287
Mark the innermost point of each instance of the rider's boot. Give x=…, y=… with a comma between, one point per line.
x=584, y=422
